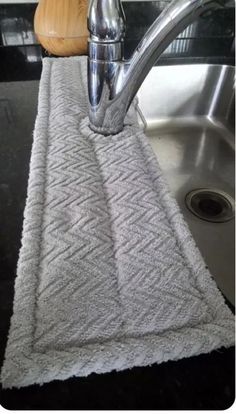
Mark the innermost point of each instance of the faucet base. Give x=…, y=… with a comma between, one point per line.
x=104, y=131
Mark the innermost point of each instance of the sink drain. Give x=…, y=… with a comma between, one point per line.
x=211, y=205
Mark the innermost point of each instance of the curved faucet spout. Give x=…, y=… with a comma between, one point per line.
x=112, y=81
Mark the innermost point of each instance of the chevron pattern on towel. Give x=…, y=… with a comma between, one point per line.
x=109, y=276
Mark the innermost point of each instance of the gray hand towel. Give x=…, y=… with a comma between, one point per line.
x=109, y=276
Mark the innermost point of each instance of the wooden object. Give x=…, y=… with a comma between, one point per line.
x=61, y=26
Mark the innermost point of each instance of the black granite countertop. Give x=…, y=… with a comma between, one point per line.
x=202, y=382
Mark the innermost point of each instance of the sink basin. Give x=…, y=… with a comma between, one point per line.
x=187, y=112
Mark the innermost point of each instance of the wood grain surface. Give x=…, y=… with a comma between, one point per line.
x=61, y=26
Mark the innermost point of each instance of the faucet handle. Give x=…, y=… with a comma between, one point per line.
x=106, y=20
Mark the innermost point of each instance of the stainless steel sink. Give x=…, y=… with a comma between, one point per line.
x=188, y=115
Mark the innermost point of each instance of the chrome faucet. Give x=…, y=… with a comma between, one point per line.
x=112, y=81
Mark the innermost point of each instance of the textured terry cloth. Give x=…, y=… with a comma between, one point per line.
x=109, y=276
